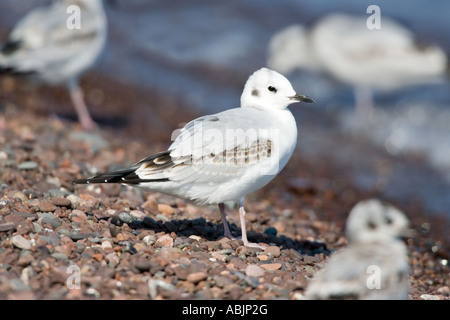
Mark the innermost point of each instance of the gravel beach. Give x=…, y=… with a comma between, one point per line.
x=65, y=241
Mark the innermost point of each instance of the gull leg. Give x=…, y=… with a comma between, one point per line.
x=227, y=232
x=244, y=230
x=76, y=94
x=364, y=101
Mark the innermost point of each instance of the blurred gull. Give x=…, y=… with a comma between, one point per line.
x=375, y=250
x=341, y=45
x=225, y=156
x=43, y=48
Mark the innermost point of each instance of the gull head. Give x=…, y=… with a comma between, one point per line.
x=267, y=89
x=373, y=221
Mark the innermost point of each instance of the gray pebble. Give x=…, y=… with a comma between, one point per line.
x=27, y=165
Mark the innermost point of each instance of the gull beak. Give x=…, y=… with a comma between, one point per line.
x=302, y=98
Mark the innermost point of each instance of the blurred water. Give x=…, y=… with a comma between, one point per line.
x=202, y=52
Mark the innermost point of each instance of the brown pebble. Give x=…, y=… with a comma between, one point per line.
x=273, y=250
x=165, y=209
x=46, y=206
x=61, y=202
x=271, y=266
x=7, y=226
x=164, y=241
x=196, y=277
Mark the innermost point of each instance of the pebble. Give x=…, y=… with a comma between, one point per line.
x=165, y=209
x=7, y=226
x=20, y=242
x=271, y=266
x=106, y=245
x=46, y=206
x=271, y=231
x=254, y=271
x=162, y=217
x=78, y=216
x=126, y=217
x=273, y=250
x=21, y=196
x=61, y=202
x=164, y=241
x=149, y=240
x=74, y=200
x=143, y=265
x=27, y=165
x=196, y=277
x=137, y=214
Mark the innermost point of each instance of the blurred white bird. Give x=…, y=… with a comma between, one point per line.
x=46, y=47
x=225, y=156
x=341, y=45
x=374, y=265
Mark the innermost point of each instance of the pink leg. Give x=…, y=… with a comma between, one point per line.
x=83, y=113
x=244, y=230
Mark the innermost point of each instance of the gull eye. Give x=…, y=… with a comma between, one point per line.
x=388, y=220
x=272, y=89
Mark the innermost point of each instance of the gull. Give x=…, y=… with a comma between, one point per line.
x=342, y=46
x=374, y=265
x=224, y=156
x=47, y=46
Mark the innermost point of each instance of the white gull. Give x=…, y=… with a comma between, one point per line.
x=224, y=156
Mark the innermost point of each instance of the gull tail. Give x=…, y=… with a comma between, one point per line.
x=116, y=176
x=157, y=163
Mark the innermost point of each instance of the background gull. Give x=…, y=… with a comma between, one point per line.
x=43, y=48
x=225, y=156
x=373, y=231
x=342, y=46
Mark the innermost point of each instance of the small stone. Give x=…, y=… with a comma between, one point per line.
x=143, y=265
x=106, y=245
x=46, y=206
x=126, y=217
x=20, y=242
x=263, y=257
x=149, y=240
x=27, y=165
x=25, y=259
x=273, y=250
x=74, y=200
x=196, y=277
x=271, y=266
x=137, y=214
x=78, y=216
x=21, y=196
x=444, y=290
x=164, y=241
x=61, y=202
x=195, y=237
x=254, y=271
x=165, y=209
x=150, y=223
x=271, y=231
x=279, y=226
x=7, y=226
x=59, y=256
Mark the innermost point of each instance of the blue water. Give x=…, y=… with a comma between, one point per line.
x=202, y=51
